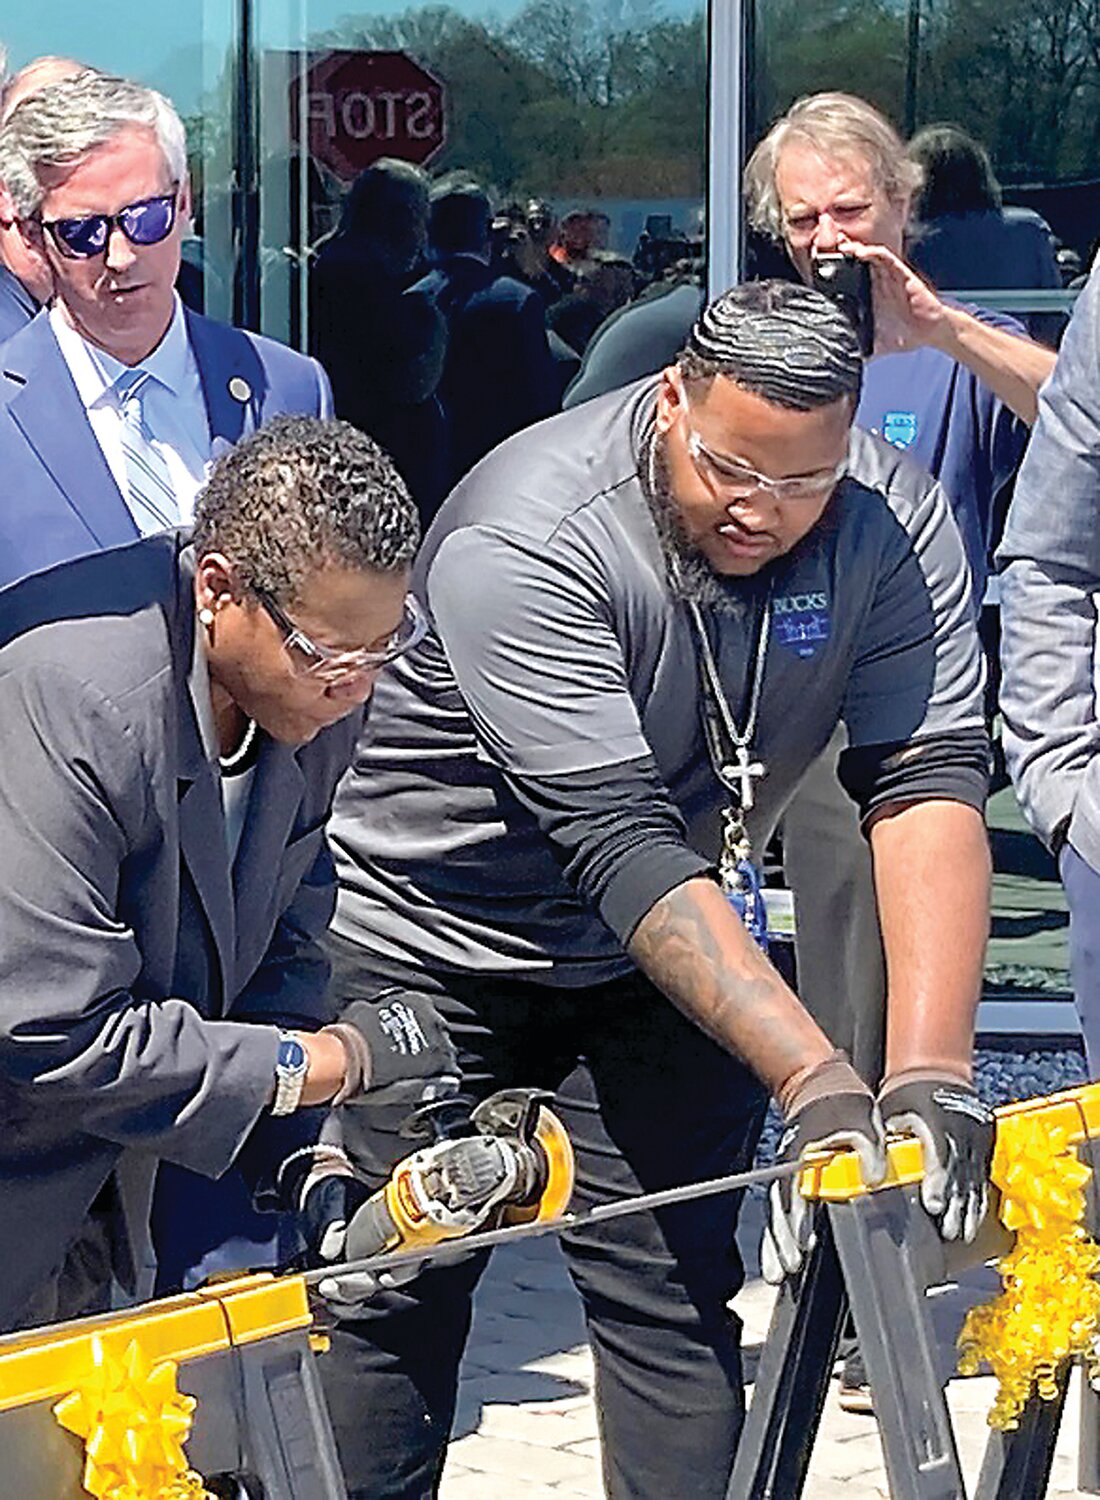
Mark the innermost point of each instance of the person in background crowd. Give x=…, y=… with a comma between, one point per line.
x=384, y=352
x=521, y=245
x=963, y=237
x=637, y=340
x=581, y=231
x=522, y=237
x=114, y=402
x=26, y=281
x=604, y=283
x=1050, y=559
x=499, y=374
x=174, y=717
x=530, y=831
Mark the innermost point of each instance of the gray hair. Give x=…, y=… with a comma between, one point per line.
x=779, y=340
x=837, y=125
x=300, y=494
x=57, y=126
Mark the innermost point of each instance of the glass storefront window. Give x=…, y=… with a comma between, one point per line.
x=1021, y=79
x=595, y=110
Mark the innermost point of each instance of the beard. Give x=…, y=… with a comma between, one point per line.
x=691, y=578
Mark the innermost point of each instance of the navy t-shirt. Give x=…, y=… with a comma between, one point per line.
x=940, y=414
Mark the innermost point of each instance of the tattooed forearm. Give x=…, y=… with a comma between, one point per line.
x=693, y=947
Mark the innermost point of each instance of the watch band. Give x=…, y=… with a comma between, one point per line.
x=291, y=1067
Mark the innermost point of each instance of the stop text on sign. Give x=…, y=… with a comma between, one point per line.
x=381, y=114
x=360, y=106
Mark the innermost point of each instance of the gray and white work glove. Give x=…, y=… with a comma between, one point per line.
x=328, y=1200
x=405, y=1059
x=829, y=1107
x=956, y=1132
x=345, y=1293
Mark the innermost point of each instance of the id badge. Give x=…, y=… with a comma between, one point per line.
x=746, y=896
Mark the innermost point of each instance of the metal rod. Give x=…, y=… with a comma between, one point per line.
x=463, y=1245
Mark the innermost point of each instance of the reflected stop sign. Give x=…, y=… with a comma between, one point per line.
x=363, y=105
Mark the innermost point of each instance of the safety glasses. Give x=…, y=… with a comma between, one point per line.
x=736, y=481
x=144, y=223
x=310, y=659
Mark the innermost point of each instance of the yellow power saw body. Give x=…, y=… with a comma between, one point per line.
x=513, y=1164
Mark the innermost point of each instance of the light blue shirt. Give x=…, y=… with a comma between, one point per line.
x=172, y=403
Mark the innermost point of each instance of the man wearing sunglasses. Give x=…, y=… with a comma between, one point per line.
x=550, y=831
x=114, y=401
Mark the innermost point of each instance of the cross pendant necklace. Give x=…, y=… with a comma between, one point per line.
x=745, y=772
x=729, y=746
x=731, y=755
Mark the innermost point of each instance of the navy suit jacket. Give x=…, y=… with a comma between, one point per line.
x=142, y=973
x=58, y=497
x=499, y=374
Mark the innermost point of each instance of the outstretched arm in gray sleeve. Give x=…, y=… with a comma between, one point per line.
x=1051, y=570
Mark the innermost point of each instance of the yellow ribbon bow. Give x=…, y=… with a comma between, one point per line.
x=1049, y=1306
x=134, y=1421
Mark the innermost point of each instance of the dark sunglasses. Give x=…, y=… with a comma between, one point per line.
x=144, y=223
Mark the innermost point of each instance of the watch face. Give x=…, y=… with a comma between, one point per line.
x=292, y=1055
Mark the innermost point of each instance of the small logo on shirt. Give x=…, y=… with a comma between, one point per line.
x=900, y=428
x=801, y=621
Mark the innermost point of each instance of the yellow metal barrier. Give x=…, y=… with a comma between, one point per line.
x=93, y=1406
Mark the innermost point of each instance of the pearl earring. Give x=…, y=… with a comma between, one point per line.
x=206, y=616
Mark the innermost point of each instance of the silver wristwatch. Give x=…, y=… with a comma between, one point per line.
x=291, y=1068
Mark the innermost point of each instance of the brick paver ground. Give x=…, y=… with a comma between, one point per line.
x=526, y=1424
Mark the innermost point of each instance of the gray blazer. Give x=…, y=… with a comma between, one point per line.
x=1051, y=573
x=142, y=981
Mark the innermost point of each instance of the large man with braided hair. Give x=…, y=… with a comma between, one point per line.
x=648, y=615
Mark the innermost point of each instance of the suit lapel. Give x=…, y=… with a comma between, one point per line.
x=230, y=375
x=49, y=413
x=273, y=803
x=201, y=818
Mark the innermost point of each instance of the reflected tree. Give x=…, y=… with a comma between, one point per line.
x=569, y=98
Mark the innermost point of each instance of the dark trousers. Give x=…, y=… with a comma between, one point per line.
x=649, y=1103
x=1082, y=885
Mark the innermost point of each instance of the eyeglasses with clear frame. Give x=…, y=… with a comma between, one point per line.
x=739, y=481
x=147, y=222
x=321, y=663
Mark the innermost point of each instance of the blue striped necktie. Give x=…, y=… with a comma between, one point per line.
x=151, y=498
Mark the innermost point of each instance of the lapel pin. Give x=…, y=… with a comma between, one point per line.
x=240, y=389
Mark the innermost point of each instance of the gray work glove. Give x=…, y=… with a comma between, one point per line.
x=956, y=1132
x=827, y=1108
x=395, y=1043
x=400, y=1057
